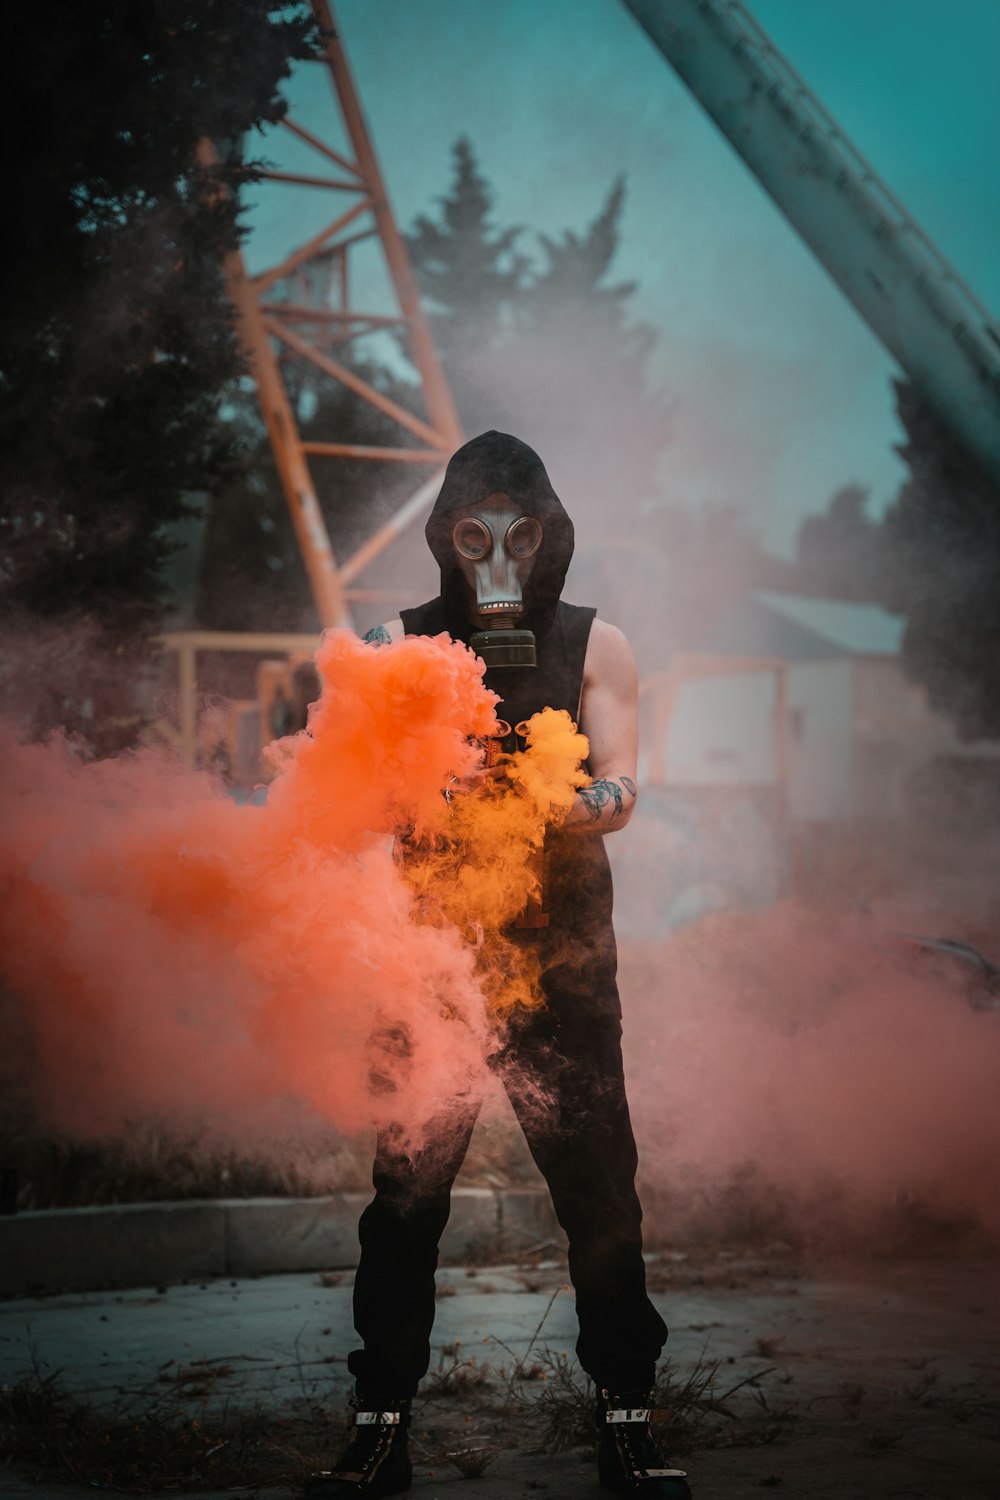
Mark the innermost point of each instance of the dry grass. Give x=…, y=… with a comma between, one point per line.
x=471, y=1462
x=455, y=1375
x=155, y=1163
x=150, y=1164
x=157, y=1444
x=561, y=1401
x=556, y=1400
x=176, y=1434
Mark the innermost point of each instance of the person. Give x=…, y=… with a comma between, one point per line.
x=503, y=542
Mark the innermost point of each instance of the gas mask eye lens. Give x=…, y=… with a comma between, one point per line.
x=524, y=537
x=472, y=539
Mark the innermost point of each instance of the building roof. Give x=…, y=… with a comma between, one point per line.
x=859, y=629
x=797, y=628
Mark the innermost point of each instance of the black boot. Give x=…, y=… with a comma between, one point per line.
x=629, y=1460
x=376, y=1461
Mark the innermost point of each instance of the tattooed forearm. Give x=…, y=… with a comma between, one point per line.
x=377, y=636
x=596, y=797
x=601, y=807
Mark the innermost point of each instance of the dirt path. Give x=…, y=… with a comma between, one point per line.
x=871, y=1381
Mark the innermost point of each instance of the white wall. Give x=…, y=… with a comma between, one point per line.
x=722, y=731
x=821, y=715
x=855, y=729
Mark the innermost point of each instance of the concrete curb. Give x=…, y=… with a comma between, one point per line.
x=147, y=1244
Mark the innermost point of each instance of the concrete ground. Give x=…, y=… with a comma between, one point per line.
x=869, y=1382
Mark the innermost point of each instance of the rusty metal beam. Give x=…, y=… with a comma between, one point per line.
x=265, y=320
x=440, y=406
x=380, y=455
x=394, y=527
x=304, y=180
x=355, y=383
x=306, y=252
x=298, y=313
x=275, y=408
x=945, y=339
x=321, y=146
x=296, y=480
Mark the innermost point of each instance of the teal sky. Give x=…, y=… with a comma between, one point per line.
x=782, y=393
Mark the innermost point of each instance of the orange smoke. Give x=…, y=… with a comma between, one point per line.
x=484, y=865
x=171, y=954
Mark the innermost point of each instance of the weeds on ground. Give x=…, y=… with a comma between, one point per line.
x=556, y=1399
x=455, y=1375
x=160, y=1438
x=919, y=1390
x=852, y=1396
x=299, y=1158
x=471, y=1462
x=177, y=1433
x=153, y=1163
x=764, y=1424
x=433, y=1439
x=156, y=1444
x=560, y=1405
x=884, y=1437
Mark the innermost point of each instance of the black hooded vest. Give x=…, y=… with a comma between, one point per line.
x=578, y=947
x=557, y=680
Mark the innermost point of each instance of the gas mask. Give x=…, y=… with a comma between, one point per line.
x=495, y=546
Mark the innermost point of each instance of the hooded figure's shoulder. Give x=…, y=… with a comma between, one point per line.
x=609, y=655
x=424, y=619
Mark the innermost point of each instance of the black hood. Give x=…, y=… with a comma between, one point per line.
x=489, y=464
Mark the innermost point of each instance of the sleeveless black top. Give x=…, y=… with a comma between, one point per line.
x=578, y=947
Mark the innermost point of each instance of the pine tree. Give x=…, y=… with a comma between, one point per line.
x=471, y=276
x=577, y=371
x=840, y=553
x=116, y=334
x=470, y=273
x=943, y=538
x=544, y=346
x=576, y=268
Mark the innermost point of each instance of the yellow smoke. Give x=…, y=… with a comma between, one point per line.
x=483, y=863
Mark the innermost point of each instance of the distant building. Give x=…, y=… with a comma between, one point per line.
x=855, y=728
x=793, y=755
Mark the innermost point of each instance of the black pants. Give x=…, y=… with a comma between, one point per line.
x=562, y=1069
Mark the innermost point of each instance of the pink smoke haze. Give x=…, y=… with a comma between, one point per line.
x=785, y=1065
x=168, y=955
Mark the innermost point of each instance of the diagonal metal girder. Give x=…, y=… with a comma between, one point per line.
x=265, y=320
x=909, y=295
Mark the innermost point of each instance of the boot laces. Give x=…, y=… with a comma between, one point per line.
x=375, y=1430
x=627, y=1422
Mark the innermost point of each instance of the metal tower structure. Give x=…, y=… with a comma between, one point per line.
x=900, y=283
x=305, y=305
